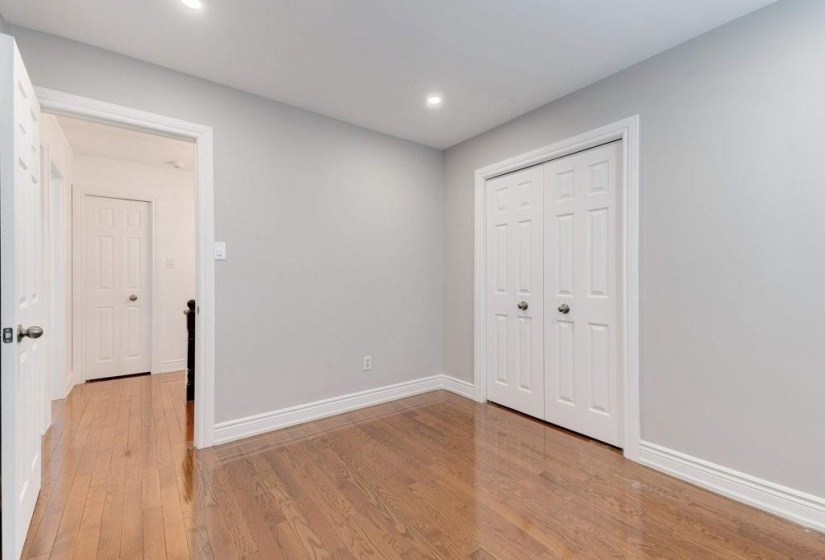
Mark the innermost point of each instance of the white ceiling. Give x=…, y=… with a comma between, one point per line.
x=102, y=140
x=372, y=62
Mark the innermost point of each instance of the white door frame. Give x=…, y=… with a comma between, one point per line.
x=626, y=130
x=79, y=194
x=61, y=375
x=56, y=280
x=56, y=102
x=49, y=277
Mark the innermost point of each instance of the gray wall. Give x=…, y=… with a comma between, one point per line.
x=333, y=233
x=733, y=238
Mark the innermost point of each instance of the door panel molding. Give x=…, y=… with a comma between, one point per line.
x=626, y=130
x=82, y=107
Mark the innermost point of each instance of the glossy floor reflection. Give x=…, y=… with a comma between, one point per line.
x=432, y=476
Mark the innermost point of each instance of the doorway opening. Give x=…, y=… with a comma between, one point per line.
x=121, y=240
x=202, y=316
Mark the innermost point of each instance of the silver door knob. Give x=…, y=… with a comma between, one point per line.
x=133, y=297
x=522, y=305
x=564, y=308
x=31, y=332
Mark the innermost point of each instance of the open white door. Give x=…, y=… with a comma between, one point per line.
x=21, y=279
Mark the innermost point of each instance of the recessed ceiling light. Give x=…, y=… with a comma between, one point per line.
x=434, y=100
x=194, y=4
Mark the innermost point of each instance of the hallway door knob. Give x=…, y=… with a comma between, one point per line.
x=522, y=305
x=31, y=332
x=564, y=308
x=133, y=297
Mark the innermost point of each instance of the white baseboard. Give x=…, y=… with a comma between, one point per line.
x=458, y=386
x=71, y=380
x=168, y=366
x=261, y=423
x=800, y=507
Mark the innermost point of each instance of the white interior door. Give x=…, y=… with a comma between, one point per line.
x=117, y=241
x=21, y=276
x=515, y=376
x=582, y=292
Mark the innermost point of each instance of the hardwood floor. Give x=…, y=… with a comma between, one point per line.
x=432, y=476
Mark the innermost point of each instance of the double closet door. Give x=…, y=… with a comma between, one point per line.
x=553, y=292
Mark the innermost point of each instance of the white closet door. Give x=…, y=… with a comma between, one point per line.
x=515, y=375
x=581, y=250
x=117, y=287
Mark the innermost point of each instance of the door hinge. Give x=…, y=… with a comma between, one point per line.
x=8, y=336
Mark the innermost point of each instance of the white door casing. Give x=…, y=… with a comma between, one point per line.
x=85, y=108
x=581, y=256
x=515, y=291
x=58, y=381
x=21, y=275
x=117, y=284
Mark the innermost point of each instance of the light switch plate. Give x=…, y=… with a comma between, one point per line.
x=220, y=250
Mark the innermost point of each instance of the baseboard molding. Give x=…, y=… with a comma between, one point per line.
x=458, y=386
x=240, y=428
x=800, y=507
x=71, y=380
x=168, y=366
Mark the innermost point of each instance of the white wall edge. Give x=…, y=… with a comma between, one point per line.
x=169, y=366
x=240, y=428
x=800, y=507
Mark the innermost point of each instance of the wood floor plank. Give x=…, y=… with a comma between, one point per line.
x=112, y=522
x=200, y=547
x=72, y=516
x=431, y=476
x=154, y=537
x=89, y=535
x=175, y=531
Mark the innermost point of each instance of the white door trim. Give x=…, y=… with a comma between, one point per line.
x=626, y=130
x=79, y=194
x=72, y=105
x=56, y=278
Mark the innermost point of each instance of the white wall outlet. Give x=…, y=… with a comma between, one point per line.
x=170, y=262
x=367, y=363
x=220, y=250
